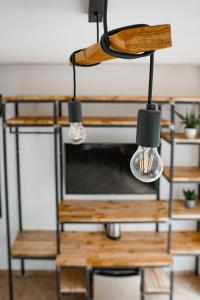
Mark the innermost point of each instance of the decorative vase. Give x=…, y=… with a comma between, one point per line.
x=190, y=133
x=113, y=231
x=190, y=203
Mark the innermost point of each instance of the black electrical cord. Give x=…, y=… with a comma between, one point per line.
x=150, y=89
x=97, y=22
x=72, y=57
x=74, y=82
x=105, y=44
x=105, y=23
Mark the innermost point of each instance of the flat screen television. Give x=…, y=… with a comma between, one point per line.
x=102, y=169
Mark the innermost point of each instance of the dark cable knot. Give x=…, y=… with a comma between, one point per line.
x=106, y=45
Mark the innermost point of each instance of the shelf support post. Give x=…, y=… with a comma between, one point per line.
x=58, y=283
x=56, y=178
x=10, y=278
x=61, y=156
x=17, y=149
x=142, y=296
x=171, y=284
x=197, y=259
x=170, y=206
x=158, y=181
x=55, y=117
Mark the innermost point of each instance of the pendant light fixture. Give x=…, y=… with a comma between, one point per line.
x=146, y=164
x=77, y=132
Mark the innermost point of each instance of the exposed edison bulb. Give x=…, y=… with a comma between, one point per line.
x=77, y=133
x=146, y=164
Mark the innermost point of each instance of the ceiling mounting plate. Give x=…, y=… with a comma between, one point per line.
x=95, y=6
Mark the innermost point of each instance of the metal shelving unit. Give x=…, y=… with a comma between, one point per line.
x=180, y=175
x=27, y=242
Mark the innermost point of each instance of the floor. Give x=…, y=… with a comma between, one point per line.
x=41, y=286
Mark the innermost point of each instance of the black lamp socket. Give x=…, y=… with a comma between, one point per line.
x=148, y=128
x=75, y=112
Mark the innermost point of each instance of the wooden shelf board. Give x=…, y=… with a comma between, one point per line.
x=95, y=249
x=185, y=99
x=180, y=211
x=180, y=138
x=87, y=121
x=34, y=243
x=30, y=120
x=186, y=242
x=81, y=249
x=102, y=121
x=183, y=174
x=156, y=280
x=73, y=280
x=104, y=98
x=113, y=211
x=32, y=98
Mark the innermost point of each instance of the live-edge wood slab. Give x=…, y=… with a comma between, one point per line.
x=124, y=211
x=128, y=40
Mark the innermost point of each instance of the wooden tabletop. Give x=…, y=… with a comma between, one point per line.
x=96, y=250
x=113, y=211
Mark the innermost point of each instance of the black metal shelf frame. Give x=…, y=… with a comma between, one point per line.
x=58, y=174
x=171, y=181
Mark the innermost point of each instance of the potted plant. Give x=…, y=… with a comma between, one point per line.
x=191, y=122
x=190, y=198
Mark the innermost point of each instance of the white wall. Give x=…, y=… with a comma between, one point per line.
x=37, y=151
x=47, y=31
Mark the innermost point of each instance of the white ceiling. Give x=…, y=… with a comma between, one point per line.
x=47, y=31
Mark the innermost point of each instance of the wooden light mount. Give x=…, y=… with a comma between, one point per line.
x=127, y=40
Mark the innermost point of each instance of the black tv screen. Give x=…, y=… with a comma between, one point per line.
x=99, y=169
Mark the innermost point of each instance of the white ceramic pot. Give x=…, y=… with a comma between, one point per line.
x=190, y=203
x=190, y=133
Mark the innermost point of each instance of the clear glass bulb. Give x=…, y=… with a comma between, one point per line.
x=77, y=133
x=146, y=164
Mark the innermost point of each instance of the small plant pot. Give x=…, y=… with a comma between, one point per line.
x=190, y=133
x=190, y=203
